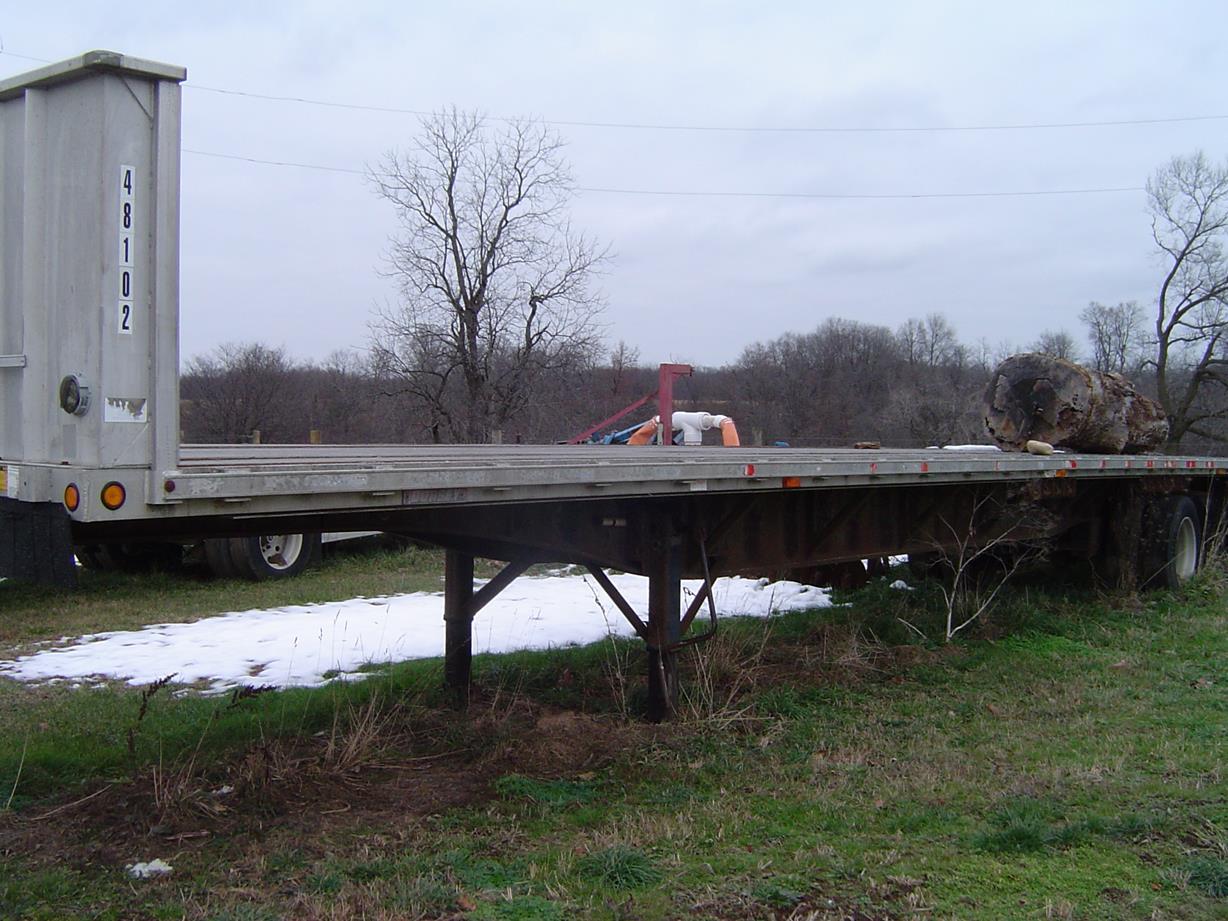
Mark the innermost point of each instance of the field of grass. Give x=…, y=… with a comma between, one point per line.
x=1065, y=760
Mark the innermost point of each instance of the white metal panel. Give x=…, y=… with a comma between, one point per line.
x=89, y=152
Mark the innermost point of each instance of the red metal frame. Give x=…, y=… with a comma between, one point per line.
x=665, y=403
x=665, y=398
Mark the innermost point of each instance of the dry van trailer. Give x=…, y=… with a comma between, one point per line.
x=89, y=423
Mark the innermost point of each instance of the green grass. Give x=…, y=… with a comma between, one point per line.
x=1063, y=761
x=619, y=867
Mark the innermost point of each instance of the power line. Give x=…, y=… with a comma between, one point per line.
x=868, y=196
x=722, y=193
x=290, y=163
x=733, y=129
x=361, y=107
x=24, y=57
x=739, y=129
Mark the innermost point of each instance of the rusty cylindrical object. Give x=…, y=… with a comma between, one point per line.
x=1042, y=398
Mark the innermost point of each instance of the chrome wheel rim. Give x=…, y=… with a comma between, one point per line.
x=1185, y=551
x=281, y=551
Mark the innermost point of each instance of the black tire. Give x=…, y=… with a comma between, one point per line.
x=93, y=556
x=1171, y=542
x=131, y=556
x=274, y=556
x=217, y=558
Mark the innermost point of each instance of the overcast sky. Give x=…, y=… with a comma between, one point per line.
x=292, y=257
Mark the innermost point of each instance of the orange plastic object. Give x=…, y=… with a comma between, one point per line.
x=729, y=434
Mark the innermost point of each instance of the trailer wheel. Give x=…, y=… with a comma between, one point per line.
x=217, y=558
x=274, y=556
x=1172, y=542
x=131, y=556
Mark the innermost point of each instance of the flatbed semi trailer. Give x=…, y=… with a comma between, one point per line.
x=90, y=452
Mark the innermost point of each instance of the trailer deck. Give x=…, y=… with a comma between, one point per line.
x=421, y=475
x=326, y=480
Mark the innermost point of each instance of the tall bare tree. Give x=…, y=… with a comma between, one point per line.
x=1058, y=343
x=1188, y=200
x=496, y=288
x=1116, y=335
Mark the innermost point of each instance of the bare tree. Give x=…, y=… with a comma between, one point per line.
x=932, y=411
x=496, y=287
x=236, y=390
x=823, y=387
x=930, y=342
x=1116, y=335
x=1188, y=200
x=1058, y=343
x=980, y=555
x=964, y=604
x=341, y=399
x=624, y=360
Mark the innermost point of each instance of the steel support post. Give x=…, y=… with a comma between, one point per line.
x=458, y=624
x=664, y=624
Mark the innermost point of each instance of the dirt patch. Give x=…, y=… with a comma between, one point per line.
x=316, y=788
x=560, y=742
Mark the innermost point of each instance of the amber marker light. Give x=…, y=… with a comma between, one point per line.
x=113, y=495
x=72, y=497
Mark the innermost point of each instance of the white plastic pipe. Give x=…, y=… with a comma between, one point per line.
x=693, y=425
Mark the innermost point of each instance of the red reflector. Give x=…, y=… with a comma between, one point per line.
x=749, y=470
x=925, y=468
x=1073, y=464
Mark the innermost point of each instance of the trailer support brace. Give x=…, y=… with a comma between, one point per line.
x=620, y=602
x=460, y=605
x=458, y=624
x=664, y=625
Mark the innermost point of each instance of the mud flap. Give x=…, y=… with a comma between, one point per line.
x=36, y=543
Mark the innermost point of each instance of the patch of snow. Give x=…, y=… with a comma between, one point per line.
x=149, y=870
x=901, y=585
x=307, y=645
x=992, y=448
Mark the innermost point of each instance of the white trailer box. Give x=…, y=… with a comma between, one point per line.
x=89, y=214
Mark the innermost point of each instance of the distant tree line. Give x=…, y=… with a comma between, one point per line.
x=497, y=334
x=842, y=382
